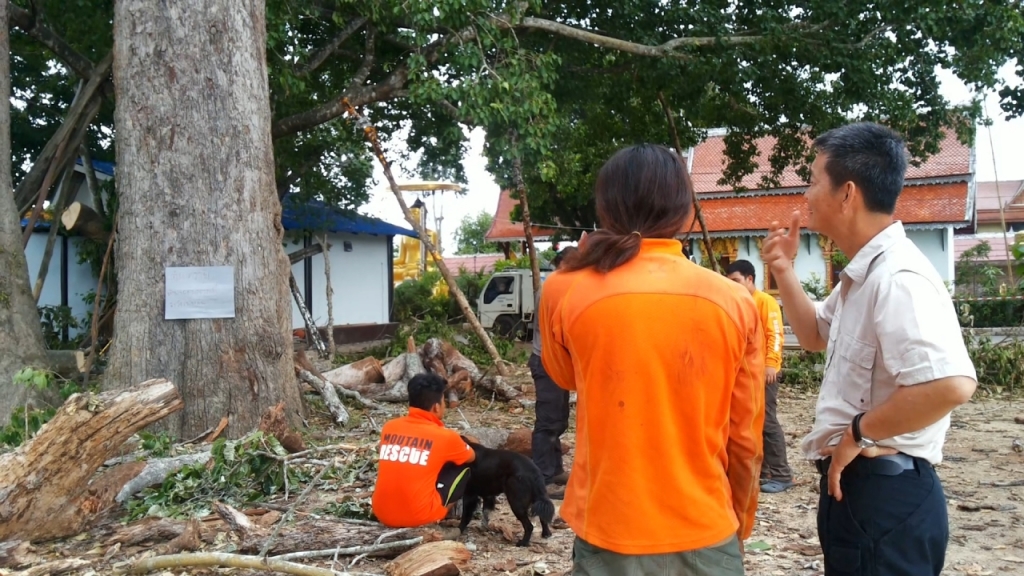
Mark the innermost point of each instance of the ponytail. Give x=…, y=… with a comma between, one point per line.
x=605, y=251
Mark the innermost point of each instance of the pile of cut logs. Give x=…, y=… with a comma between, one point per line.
x=369, y=381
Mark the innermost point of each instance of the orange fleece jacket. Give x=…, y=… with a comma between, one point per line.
x=667, y=359
x=771, y=323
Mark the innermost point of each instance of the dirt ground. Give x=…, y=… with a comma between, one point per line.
x=986, y=515
x=983, y=475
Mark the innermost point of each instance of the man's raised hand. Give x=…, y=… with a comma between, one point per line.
x=781, y=245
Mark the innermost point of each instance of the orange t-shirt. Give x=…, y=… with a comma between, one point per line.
x=667, y=359
x=771, y=323
x=413, y=449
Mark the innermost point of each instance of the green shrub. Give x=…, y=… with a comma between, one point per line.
x=802, y=370
x=990, y=313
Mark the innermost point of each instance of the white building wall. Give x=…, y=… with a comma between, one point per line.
x=81, y=280
x=359, y=279
x=936, y=245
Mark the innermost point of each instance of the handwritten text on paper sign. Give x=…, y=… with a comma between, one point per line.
x=193, y=292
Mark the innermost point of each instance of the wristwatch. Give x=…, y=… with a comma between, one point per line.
x=861, y=441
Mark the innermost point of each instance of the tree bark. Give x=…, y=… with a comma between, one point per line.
x=42, y=497
x=21, y=337
x=84, y=221
x=195, y=183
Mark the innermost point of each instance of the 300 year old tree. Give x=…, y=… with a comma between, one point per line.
x=195, y=178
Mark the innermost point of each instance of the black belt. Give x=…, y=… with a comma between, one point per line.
x=887, y=465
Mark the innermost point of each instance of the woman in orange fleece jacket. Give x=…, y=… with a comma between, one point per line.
x=667, y=359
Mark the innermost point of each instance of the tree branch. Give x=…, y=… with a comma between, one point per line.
x=24, y=19
x=369, y=57
x=390, y=88
x=325, y=52
x=665, y=50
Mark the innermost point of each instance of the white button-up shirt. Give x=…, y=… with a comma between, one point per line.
x=889, y=323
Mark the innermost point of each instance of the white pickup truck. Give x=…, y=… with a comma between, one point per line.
x=506, y=302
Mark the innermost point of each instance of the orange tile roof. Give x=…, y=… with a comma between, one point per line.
x=928, y=204
x=989, y=194
x=709, y=161
x=504, y=229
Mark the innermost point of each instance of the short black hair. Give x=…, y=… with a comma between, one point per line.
x=871, y=156
x=426, y=390
x=562, y=254
x=745, y=268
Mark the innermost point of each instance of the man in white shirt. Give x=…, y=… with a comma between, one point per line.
x=896, y=363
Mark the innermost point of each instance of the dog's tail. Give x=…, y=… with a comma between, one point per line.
x=542, y=507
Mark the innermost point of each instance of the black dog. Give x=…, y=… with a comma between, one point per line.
x=502, y=471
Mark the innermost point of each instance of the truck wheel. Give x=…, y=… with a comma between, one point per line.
x=509, y=327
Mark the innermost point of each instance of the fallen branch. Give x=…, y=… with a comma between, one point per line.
x=94, y=327
x=303, y=253
x=696, y=201
x=328, y=393
x=352, y=550
x=227, y=561
x=55, y=567
x=467, y=311
x=434, y=559
x=497, y=384
x=312, y=334
x=330, y=298
x=156, y=471
x=291, y=509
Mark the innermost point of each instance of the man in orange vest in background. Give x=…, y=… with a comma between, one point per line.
x=423, y=467
x=776, y=475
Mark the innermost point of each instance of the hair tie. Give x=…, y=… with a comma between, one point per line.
x=637, y=234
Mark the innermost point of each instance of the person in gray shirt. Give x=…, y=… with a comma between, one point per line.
x=895, y=362
x=552, y=407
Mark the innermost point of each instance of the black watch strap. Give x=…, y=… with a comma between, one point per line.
x=856, y=427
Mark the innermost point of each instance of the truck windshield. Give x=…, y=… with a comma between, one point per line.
x=497, y=286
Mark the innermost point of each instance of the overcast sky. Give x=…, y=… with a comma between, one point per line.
x=1006, y=136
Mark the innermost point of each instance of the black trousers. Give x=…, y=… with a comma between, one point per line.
x=552, y=421
x=775, y=464
x=889, y=523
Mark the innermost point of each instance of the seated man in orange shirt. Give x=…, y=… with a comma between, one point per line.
x=423, y=466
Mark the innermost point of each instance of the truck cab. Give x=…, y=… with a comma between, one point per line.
x=506, y=303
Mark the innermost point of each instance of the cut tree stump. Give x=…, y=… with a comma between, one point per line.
x=82, y=220
x=67, y=363
x=45, y=491
x=357, y=374
x=445, y=558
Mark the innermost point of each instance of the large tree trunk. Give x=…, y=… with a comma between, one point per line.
x=21, y=338
x=195, y=182
x=43, y=496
